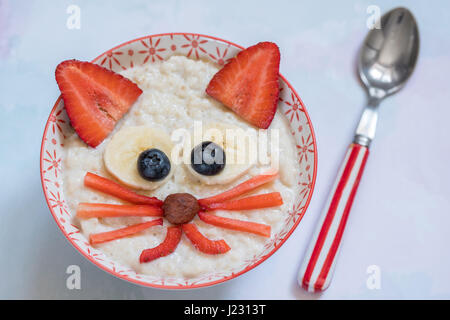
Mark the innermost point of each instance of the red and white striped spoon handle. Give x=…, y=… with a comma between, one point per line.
x=320, y=259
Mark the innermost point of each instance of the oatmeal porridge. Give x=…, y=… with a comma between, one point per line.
x=174, y=98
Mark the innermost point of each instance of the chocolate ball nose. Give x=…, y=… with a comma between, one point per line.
x=180, y=208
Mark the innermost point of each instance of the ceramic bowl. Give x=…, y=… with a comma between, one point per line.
x=150, y=49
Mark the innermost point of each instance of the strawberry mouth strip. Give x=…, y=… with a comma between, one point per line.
x=103, y=210
x=123, y=232
x=168, y=246
x=202, y=243
x=235, y=224
x=259, y=201
x=112, y=188
x=240, y=189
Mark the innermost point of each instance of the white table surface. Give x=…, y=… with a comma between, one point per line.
x=400, y=219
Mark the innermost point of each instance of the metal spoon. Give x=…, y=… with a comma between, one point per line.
x=386, y=61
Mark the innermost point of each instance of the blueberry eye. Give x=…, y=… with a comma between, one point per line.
x=208, y=158
x=153, y=165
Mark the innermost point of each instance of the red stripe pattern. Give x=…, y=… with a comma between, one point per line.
x=320, y=260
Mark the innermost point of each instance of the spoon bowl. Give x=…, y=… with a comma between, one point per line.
x=389, y=54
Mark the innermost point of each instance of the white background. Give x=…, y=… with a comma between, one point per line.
x=400, y=219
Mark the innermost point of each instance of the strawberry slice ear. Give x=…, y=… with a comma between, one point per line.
x=248, y=84
x=202, y=243
x=168, y=246
x=95, y=98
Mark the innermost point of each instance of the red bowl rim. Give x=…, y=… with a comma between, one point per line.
x=207, y=284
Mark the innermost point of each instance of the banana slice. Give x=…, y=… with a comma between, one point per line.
x=123, y=150
x=237, y=143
